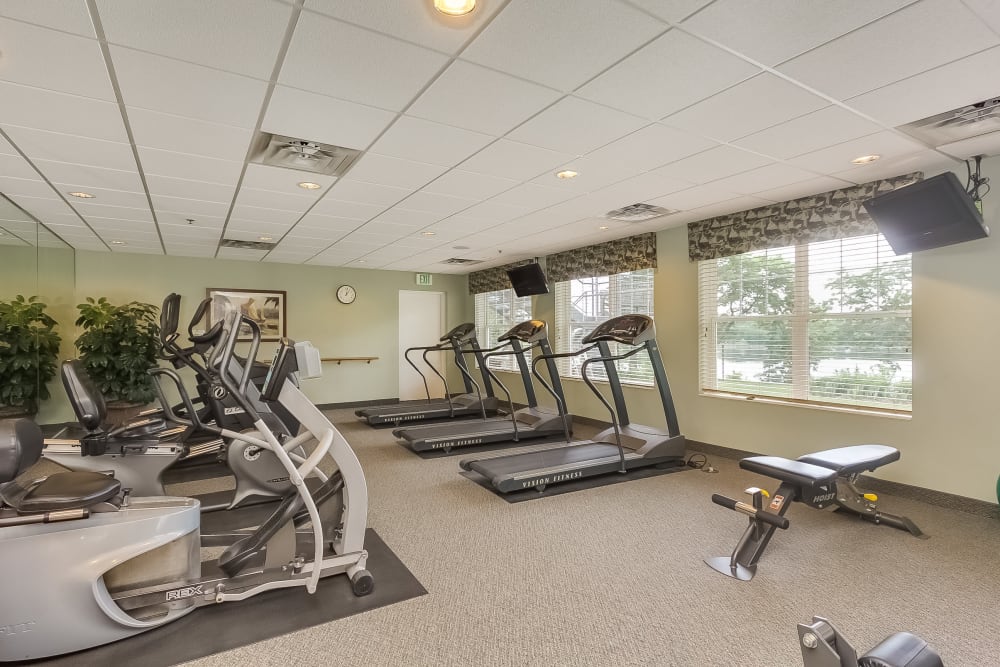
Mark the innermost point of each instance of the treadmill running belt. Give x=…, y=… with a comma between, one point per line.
x=546, y=458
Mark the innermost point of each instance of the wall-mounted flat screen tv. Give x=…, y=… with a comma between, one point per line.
x=528, y=279
x=929, y=214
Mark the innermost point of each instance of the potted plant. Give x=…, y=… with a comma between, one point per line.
x=118, y=346
x=29, y=349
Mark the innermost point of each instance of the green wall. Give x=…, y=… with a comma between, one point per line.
x=952, y=442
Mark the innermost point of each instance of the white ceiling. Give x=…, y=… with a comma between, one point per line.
x=702, y=106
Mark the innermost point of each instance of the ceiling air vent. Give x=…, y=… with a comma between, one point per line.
x=958, y=124
x=462, y=260
x=276, y=150
x=247, y=245
x=638, y=212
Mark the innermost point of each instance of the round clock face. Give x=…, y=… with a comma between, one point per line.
x=346, y=294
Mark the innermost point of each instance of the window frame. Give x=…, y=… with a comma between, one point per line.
x=484, y=328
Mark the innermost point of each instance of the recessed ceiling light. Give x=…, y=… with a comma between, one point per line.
x=603, y=228
x=265, y=238
x=428, y=233
x=567, y=174
x=307, y=185
x=118, y=243
x=454, y=7
x=361, y=261
x=81, y=195
x=865, y=159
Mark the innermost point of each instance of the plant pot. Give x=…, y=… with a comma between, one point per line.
x=120, y=412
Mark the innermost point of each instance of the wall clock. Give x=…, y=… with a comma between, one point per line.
x=346, y=294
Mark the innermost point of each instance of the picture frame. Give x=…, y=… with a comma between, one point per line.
x=266, y=307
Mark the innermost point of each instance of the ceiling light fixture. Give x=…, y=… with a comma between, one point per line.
x=455, y=7
x=428, y=233
x=306, y=185
x=865, y=159
x=265, y=238
x=603, y=228
x=81, y=195
x=566, y=175
x=118, y=243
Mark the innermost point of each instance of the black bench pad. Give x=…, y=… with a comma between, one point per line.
x=61, y=491
x=788, y=470
x=855, y=459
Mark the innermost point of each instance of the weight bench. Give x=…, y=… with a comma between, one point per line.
x=819, y=480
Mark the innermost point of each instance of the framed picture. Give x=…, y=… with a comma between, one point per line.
x=265, y=307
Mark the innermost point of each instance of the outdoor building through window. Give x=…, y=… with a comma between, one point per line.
x=584, y=303
x=827, y=322
x=496, y=313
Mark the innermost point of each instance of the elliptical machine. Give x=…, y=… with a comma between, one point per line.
x=823, y=646
x=96, y=565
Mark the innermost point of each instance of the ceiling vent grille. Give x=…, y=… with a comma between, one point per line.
x=247, y=245
x=276, y=150
x=462, y=260
x=638, y=212
x=958, y=124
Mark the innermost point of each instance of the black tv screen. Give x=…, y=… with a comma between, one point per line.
x=528, y=279
x=928, y=214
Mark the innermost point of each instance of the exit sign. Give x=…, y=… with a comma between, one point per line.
x=424, y=279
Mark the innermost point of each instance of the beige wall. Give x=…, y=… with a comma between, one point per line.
x=368, y=327
x=952, y=442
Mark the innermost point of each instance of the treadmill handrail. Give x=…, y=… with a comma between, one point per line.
x=447, y=392
x=600, y=396
x=560, y=401
x=426, y=348
x=510, y=399
x=468, y=376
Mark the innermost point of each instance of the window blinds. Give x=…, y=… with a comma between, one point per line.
x=496, y=313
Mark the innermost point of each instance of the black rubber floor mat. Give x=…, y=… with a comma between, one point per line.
x=231, y=625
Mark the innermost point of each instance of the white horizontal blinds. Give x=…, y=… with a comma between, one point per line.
x=583, y=303
x=496, y=313
x=827, y=322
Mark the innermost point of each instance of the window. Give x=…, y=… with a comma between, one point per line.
x=824, y=323
x=584, y=303
x=496, y=313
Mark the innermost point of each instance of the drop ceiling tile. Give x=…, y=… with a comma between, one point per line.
x=466, y=184
x=412, y=21
x=807, y=133
x=716, y=117
x=671, y=10
x=988, y=11
x=493, y=211
x=42, y=145
x=46, y=206
x=892, y=48
x=533, y=196
x=176, y=234
x=117, y=212
x=260, y=214
x=324, y=56
x=576, y=126
x=640, y=188
x=581, y=38
x=744, y=203
x=425, y=141
x=157, y=162
x=714, y=164
x=58, y=112
x=261, y=228
x=263, y=177
x=765, y=178
x=771, y=32
x=513, y=160
x=220, y=34
x=480, y=99
x=838, y=158
x=394, y=172
x=234, y=235
x=674, y=71
x=368, y=193
x=15, y=166
x=436, y=203
x=89, y=178
x=320, y=234
x=408, y=217
x=180, y=220
x=25, y=187
x=241, y=254
x=189, y=208
x=305, y=115
x=347, y=209
x=806, y=188
x=984, y=144
x=928, y=161
x=955, y=85
x=268, y=199
x=696, y=197
x=188, y=189
x=187, y=135
x=57, y=14
x=183, y=89
x=27, y=59
x=465, y=223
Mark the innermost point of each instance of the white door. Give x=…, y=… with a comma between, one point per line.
x=421, y=323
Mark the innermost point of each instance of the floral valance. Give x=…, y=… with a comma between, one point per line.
x=832, y=215
x=604, y=259
x=493, y=279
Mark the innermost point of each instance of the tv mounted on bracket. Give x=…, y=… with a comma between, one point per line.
x=929, y=214
x=528, y=279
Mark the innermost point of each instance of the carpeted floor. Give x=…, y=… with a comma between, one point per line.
x=614, y=576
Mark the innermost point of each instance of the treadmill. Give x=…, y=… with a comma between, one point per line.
x=623, y=447
x=471, y=403
x=527, y=423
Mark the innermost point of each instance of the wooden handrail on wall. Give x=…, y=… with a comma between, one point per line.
x=367, y=360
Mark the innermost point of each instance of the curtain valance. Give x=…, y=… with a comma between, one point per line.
x=604, y=259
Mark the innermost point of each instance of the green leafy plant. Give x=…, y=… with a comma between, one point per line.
x=29, y=349
x=118, y=346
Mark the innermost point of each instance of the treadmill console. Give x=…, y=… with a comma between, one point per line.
x=527, y=332
x=462, y=333
x=628, y=329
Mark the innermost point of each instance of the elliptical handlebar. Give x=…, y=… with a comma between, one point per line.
x=194, y=421
x=223, y=355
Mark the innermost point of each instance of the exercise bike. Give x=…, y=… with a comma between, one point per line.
x=84, y=563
